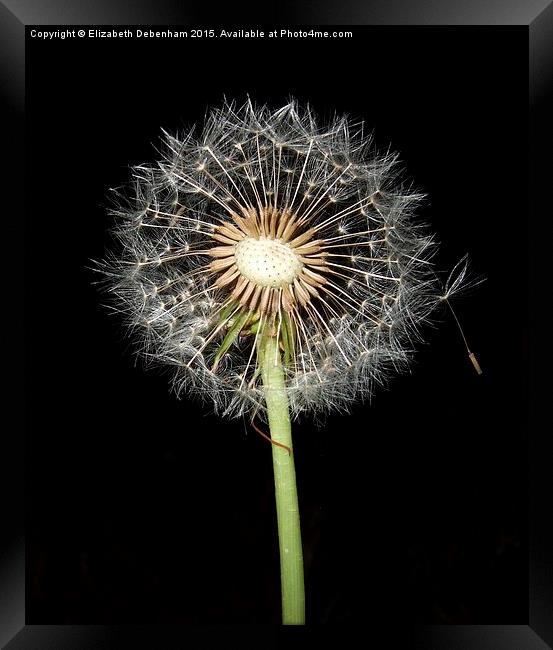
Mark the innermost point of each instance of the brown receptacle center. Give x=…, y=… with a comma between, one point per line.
x=267, y=261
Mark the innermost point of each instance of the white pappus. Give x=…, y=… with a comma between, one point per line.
x=268, y=218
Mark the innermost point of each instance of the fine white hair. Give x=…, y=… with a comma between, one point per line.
x=379, y=284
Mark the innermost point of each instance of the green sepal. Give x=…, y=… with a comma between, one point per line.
x=288, y=339
x=227, y=311
x=254, y=328
x=238, y=323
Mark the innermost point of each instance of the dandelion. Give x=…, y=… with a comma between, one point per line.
x=276, y=265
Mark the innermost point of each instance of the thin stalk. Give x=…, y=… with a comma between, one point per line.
x=289, y=533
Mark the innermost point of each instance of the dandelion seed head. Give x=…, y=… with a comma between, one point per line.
x=268, y=219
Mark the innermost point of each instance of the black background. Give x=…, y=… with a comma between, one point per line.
x=144, y=508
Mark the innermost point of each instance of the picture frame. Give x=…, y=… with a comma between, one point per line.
x=537, y=21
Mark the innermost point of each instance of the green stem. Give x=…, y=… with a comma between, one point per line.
x=289, y=533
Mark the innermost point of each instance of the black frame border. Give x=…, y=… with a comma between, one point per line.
x=14, y=634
